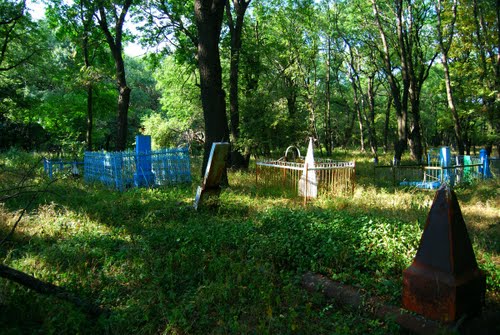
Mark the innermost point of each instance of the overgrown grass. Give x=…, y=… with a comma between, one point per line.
x=161, y=267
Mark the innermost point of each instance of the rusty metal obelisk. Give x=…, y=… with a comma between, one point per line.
x=443, y=282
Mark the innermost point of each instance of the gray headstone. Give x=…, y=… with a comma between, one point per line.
x=216, y=166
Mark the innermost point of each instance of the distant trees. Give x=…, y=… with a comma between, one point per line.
x=90, y=24
x=349, y=74
x=21, y=44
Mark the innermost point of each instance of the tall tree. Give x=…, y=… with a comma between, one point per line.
x=445, y=38
x=410, y=44
x=487, y=32
x=370, y=117
x=419, y=60
x=208, y=17
x=400, y=100
x=86, y=20
x=172, y=22
x=238, y=160
x=109, y=14
x=76, y=23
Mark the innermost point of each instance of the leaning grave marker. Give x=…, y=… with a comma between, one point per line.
x=216, y=166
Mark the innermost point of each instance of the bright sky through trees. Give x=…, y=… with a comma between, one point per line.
x=37, y=10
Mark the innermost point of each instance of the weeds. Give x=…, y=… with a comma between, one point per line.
x=162, y=267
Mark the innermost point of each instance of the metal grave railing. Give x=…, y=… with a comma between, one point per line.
x=333, y=177
x=60, y=166
x=453, y=170
x=126, y=169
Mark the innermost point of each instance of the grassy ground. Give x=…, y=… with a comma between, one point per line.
x=161, y=267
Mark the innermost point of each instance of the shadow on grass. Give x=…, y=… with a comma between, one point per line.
x=186, y=270
x=234, y=268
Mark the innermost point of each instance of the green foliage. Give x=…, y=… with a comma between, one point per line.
x=288, y=50
x=180, y=121
x=145, y=96
x=375, y=250
x=162, y=267
x=164, y=133
x=19, y=35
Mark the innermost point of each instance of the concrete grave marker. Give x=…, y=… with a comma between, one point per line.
x=216, y=166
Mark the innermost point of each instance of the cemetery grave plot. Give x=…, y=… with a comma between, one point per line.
x=441, y=167
x=121, y=170
x=307, y=177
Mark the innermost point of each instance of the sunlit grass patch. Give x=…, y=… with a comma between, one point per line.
x=162, y=267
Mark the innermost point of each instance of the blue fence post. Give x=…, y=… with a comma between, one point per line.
x=484, y=169
x=87, y=166
x=445, y=155
x=144, y=174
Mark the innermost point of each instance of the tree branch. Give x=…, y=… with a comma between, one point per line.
x=50, y=289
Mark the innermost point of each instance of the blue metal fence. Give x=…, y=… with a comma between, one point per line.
x=441, y=167
x=126, y=169
x=52, y=166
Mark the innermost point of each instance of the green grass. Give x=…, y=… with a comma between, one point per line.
x=161, y=267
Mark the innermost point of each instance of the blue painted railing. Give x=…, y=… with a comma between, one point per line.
x=52, y=166
x=125, y=169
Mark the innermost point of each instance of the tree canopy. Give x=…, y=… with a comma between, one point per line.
x=400, y=76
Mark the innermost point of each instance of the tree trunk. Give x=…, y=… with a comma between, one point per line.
x=123, y=105
x=208, y=15
x=238, y=160
x=90, y=117
x=415, y=136
x=451, y=105
x=403, y=115
x=400, y=102
x=372, y=137
x=358, y=107
x=312, y=107
x=386, y=123
x=490, y=101
x=328, y=113
x=358, y=93
x=291, y=96
x=49, y=289
x=87, y=21
x=416, y=72
x=447, y=78
x=115, y=45
x=350, y=128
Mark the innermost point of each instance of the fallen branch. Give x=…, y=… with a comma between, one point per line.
x=26, y=189
x=33, y=198
x=49, y=289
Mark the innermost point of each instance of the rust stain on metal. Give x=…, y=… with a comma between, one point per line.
x=443, y=282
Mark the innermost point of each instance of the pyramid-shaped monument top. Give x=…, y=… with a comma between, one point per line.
x=310, y=154
x=444, y=282
x=445, y=243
